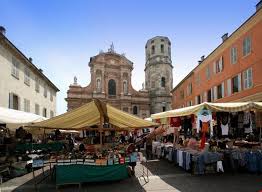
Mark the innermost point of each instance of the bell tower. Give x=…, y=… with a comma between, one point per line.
x=158, y=73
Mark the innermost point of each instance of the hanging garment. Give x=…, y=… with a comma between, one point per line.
x=233, y=124
x=253, y=121
x=205, y=127
x=247, y=122
x=187, y=127
x=251, y=159
x=224, y=129
x=180, y=162
x=204, y=131
x=220, y=167
x=203, y=141
x=240, y=130
x=205, y=116
x=188, y=161
x=175, y=121
x=224, y=124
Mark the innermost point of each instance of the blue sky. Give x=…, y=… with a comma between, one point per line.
x=61, y=35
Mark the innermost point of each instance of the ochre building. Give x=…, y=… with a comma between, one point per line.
x=231, y=73
x=111, y=81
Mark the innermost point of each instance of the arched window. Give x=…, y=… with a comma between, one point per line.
x=163, y=82
x=135, y=110
x=162, y=48
x=153, y=49
x=98, y=85
x=111, y=87
x=125, y=87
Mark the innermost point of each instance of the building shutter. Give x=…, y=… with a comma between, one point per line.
x=25, y=105
x=196, y=100
x=239, y=81
x=229, y=87
x=212, y=94
x=221, y=65
x=205, y=96
x=214, y=67
x=223, y=89
x=19, y=103
x=245, y=79
x=215, y=93
x=11, y=101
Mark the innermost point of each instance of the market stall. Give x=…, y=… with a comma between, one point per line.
x=12, y=137
x=224, y=135
x=91, y=163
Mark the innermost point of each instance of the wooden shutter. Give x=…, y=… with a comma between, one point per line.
x=11, y=104
x=229, y=87
x=205, y=96
x=212, y=94
x=239, y=81
x=19, y=103
x=220, y=64
x=245, y=79
x=215, y=93
x=196, y=100
x=223, y=89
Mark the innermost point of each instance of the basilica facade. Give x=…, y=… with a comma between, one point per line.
x=111, y=81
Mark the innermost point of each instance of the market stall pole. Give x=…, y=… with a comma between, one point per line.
x=103, y=117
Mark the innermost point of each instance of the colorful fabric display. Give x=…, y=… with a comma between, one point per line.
x=122, y=160
x=116, y=161
x=127, y=159
x=98, y=161
x=110, y=162
x=175, y=121
x=204, y=116
x=73, y=161
x=103, y=162
x=89, y=162
x=79, y=161
x=133, y=157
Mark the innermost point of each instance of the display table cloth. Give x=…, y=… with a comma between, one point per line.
x=74, y=174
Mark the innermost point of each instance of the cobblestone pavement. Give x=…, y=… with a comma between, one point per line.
x=163, y=176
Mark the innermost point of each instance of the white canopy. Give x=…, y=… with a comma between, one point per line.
x=226, y=107
x=14, y=118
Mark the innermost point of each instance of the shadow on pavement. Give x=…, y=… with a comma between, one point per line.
x=128, y=185
x=177, y=179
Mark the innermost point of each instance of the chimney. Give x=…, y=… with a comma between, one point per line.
x=259, y=5
x=224, y=37
x=2, y=30
x=30, y=59
x=202, y=58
